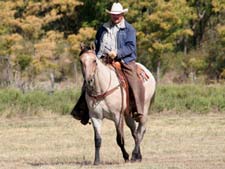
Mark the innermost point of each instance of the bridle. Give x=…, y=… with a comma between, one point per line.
x=103, y=94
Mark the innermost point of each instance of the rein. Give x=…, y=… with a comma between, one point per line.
x=108, y=92
x=103, y=95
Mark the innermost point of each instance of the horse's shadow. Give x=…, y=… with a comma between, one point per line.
x=77, y=163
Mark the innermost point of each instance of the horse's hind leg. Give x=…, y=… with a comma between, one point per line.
x=137, y=134
x=136, y=154
x=120, y=138
x=97, y=137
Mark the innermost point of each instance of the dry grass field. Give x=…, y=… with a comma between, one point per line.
x=60, y=142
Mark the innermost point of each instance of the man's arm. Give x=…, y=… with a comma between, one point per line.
x=129, y=45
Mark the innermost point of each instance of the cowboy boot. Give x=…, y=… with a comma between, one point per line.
x=80, y=110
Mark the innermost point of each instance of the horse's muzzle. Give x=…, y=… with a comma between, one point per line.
x=90, y=80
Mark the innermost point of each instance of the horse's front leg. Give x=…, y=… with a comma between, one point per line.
x=97, y=137
x=120, y=137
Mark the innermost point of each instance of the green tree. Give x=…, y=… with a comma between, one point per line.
x=44, y=36
x=161, y=27
x=205, y=10
x=37, y=29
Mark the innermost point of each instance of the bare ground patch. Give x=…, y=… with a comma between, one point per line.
x=171, y=142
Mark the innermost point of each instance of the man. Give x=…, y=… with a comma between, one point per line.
x=117, y=39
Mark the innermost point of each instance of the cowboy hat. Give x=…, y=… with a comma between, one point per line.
x=117, y=8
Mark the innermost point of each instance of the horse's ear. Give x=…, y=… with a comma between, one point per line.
x=92, y=46
x=82, y=46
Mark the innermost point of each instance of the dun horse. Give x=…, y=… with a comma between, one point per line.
x=100, y=79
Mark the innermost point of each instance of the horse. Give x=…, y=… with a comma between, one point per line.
x=107, y=99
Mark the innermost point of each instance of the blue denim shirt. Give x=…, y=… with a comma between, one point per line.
x=126, y=42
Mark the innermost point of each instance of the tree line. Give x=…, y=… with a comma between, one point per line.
x=42, y=37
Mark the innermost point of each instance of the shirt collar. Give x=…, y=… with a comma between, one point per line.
x=120, y=25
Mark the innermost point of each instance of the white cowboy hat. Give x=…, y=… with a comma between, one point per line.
x=117, y=8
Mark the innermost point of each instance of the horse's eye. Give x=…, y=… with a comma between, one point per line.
x=94, y=61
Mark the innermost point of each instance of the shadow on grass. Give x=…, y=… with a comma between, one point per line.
x=78, y=163
x=82, y=163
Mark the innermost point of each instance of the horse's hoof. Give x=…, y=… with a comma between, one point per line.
x=136, y=157
x=135, y=160
x=126, y=157
x=126, y=161
x=96, y=162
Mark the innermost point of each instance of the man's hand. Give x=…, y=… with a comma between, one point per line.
x=112, y=54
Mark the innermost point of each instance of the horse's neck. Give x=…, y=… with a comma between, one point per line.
x=103, y=77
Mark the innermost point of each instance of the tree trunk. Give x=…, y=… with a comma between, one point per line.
x=158, y=72
x=52, y=80
x=5, y=71
x=185, y=45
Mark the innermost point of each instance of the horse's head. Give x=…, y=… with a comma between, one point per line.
x=88, y=62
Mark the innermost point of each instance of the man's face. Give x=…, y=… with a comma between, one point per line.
x=116, y=18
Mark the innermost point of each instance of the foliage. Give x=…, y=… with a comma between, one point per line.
x=23, y=61
x=85, y=34
x=37, y=29
x=92, y=13
x=159, y=32
x=50, y=32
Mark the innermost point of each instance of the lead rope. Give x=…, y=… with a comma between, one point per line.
x=122, y=106
x=107, y=92
x=121, y=112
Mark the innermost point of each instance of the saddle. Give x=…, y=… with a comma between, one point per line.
x=142, y=75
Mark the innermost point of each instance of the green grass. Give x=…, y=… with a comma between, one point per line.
x=173, y=98
x=194, y=98
x=14, y=102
